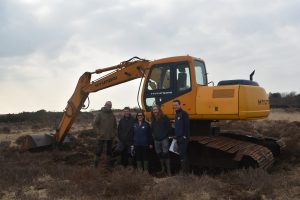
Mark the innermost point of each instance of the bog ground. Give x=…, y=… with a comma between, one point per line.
x=69, y=173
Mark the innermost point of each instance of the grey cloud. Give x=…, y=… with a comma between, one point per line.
x=232, y=36
x=23, y=34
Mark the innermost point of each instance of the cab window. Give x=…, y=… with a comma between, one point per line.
x=159, y=78
x=200, y=73
x=166, y=81
x=183, y=78
x=150, y=102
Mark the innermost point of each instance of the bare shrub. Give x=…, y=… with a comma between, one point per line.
x=287, y=131
x=249, y=179
x=253, y=183
x=35, y=127
x=6, y=130
x=91, y=181
x=87, y=133
x=190, y=187
x=127, y=183
x=63, y=188
x=14, y=176
x=4, y=145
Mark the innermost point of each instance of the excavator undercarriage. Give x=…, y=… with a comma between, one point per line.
x=214, y=149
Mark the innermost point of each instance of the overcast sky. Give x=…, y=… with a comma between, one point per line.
x=45, y=45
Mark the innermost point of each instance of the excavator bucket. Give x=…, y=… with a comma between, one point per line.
x=35, y=141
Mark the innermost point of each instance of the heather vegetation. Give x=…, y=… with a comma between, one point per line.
x=69, y=173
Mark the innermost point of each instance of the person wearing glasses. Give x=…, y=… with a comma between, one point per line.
x=105, y=127
x=160, y=126
x=142, y=141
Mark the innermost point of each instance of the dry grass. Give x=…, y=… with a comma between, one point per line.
x=186, y=187
x=290, y=115
x=68, y=173
x=32, y=176
x=253, y=184
x=127, y=183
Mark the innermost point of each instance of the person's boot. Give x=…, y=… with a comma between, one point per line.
x=109, y=164
x=130, y=162
x=162, y=166
x=139, y=165
x=168, y=165
x=182, y=167
x=146, y=166
x=96, y=162
x=119, y=160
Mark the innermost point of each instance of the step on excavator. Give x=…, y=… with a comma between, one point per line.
x=184, y=78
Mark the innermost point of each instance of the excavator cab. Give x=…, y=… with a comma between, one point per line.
x=185, y=78
x=173, y=79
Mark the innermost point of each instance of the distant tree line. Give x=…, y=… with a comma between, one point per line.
x=284, y=100
x=41, y=116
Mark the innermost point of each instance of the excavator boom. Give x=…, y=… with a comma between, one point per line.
x=126, y=71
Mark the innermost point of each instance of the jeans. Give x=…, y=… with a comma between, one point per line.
x=162, y=148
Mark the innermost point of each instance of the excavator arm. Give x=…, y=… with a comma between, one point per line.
x=125, y=71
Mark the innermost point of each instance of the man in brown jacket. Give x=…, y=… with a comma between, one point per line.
x=105, y=126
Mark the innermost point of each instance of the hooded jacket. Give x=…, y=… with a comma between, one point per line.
x=105, y=125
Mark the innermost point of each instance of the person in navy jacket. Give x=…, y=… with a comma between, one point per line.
x=142, y=140
x=182, y=134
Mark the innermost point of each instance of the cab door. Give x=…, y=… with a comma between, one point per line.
x=166, y=82
x=158, y=88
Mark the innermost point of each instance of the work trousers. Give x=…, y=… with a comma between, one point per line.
x=125, y=153
x=100, y=146
x=182, y=147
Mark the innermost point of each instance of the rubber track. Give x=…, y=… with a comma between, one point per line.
x=262, y=155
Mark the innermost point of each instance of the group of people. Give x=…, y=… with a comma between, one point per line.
x=136, y=136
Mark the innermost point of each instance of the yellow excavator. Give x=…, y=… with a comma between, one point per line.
x=184, y=78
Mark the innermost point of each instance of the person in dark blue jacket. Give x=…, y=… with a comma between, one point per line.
x=142, y=141
x=182, y=133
